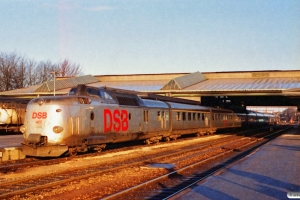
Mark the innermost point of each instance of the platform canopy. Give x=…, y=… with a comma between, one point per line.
x=209, y=88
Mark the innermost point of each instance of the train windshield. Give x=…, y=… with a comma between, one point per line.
x=92, y=91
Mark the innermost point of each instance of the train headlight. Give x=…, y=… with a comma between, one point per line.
x=23, y=128
x=57, y=129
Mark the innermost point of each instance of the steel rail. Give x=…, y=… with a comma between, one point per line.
x=241, y=155
x=25, y=181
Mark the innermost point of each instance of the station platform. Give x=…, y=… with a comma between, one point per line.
x=10, y=147
x=271, y=172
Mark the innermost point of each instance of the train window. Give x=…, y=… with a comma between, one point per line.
x=82, y=100
x=178, y=116
x=184, y=116
x=158, y=116
x=146, y=115
x=127, y=101
x=93, y=91
x=189, y=116
x=213, y=116
x=129, y=116
x=199, y=116
x=92, y=116
x=194, y=116
x=73, y=91
x=105, y=95
x=203, y=117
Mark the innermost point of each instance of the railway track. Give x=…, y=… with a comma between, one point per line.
x=12, y=166
x=34, y=185
x=187, y=176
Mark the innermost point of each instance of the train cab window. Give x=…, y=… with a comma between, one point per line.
x=93, y=91
x=83, y=100
x=184, y=116
x=178, y=116
x=158, y=116
x=105, y=95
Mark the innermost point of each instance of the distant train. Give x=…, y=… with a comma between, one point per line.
x=255, y=119
x=90, y=117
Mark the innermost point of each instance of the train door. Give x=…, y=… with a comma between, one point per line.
x=145, y=126
x=164, y=120
x=87, y=121
x=206, y=119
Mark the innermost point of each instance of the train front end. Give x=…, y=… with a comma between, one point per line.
x=45, y=128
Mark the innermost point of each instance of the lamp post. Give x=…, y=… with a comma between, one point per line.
x=54, y=75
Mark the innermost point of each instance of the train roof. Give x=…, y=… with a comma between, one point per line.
x=126, y=97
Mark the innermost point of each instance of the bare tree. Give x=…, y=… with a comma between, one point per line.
x=31, y=79
x=66, y=68
x=43, y=70
x=9, y=71
x=18, y=72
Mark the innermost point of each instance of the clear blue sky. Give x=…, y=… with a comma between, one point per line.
x=155, y=36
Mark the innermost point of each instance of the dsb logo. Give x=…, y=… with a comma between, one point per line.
x=117, y=120
x=39, y=115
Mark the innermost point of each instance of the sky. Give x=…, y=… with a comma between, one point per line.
x=155, y=36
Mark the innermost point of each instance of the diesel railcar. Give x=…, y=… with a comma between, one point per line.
x=91, y=117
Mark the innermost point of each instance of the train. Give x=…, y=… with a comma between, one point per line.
x=256, y=119
x=12, y=112
x=89, y=118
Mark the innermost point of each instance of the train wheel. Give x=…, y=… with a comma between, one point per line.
x=167, y=139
